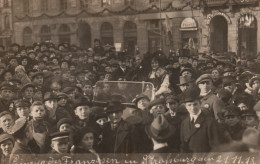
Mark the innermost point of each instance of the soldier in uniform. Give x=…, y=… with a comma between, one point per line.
x=210, y=103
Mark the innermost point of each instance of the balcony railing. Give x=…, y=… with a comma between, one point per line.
x=233, y=2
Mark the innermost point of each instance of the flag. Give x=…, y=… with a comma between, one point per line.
x=168, y=28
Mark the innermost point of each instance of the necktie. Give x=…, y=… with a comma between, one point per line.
x=192, y=121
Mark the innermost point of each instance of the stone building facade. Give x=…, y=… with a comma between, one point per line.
x=6, y=23
x=203, y=25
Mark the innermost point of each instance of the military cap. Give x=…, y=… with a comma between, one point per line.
x=22, y=103
x=62, y=95
x=37, y=74
x=27, y=86
x=49, y=96
x=59, y=136
x=19, y=124
x=156, y=102
x=248, y=113
x=7, y=86
x=138, y=97
x=203, y=77
x=4, y=113
x=68, y=90
x=186, y=69
x=4, y=137
x=172, y=98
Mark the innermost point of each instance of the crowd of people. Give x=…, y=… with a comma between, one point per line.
x=200, y=102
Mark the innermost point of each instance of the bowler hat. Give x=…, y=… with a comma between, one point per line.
x=203, y=77
x=5, y=137
x=172, y=98
x=160, y=129
x=184, y=80
x=63, y=121
x=190, y=94
x=114, y=106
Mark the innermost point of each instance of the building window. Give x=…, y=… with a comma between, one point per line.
x=44, y=5
x=6, y=3
x=154, y=38
x=106, y=3
x=64, y=34
x=247, y=35
x=107, y=34
x=130, y=37
x=218, y=34
x=27, y=36
x=129, y=2
x=63, y=4
x=7, y=22
x=84, y=3
x=45, y=33
x=26, y=6
x=152, y=1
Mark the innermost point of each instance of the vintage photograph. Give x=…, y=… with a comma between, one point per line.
x=129, y=82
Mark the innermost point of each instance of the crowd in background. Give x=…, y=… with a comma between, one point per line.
x=200, y=103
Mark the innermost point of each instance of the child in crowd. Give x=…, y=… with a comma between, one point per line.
x=6, y=121
x=82, y=112
x=6, y=146
x=40, y=127
x=59, y=143
x=22, y=108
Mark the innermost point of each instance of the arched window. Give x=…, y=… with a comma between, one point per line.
x=107, y=34
x=27, y=36
x=219, y=34
x=63, y=4
x=44, y=5
x=84, y=35
x=64, y=34
x=247, y=35
x=25, y=6
x=45, y=33
x=130, y=37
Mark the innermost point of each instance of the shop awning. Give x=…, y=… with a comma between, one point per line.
x=189, y=24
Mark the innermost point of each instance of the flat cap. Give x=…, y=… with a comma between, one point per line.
x=5, y=137
x=155, y=102
x=204, y=77
x=18, y=125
